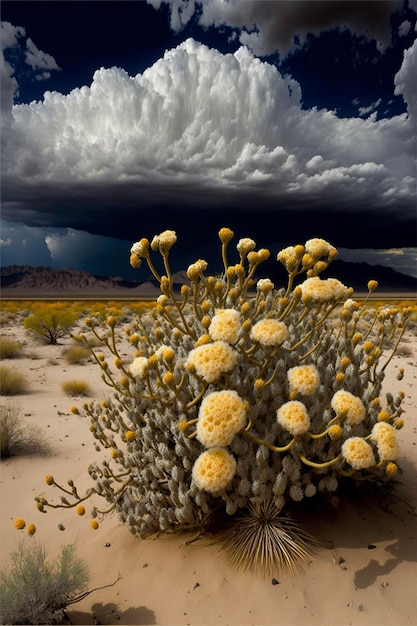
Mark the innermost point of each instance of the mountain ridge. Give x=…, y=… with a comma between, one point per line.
x=43, y=281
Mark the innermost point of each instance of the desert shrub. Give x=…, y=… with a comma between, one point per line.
x=37, y=591
x=12, y=382
x=17, y=437
x=9, y=348
x=76, y=354
x=50, y=321
x=76, y=387
x=240, y=400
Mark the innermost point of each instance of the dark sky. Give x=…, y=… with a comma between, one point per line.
x=282, y=120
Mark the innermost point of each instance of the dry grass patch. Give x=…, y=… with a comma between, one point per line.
x=9, y=348
x=12, y=382
x=76, y=388
x=76, y=355
x=17, y=437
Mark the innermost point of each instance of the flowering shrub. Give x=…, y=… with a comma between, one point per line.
x=237, y=394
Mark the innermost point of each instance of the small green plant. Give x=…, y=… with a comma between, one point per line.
x=18, y=438
x=76, y=354
x=37, y=591
x=9, y=348
x=76, y=388
x=12, y=382
x=50, y=322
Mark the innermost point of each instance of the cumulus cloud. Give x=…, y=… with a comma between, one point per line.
x=405, y=82
x=199, y=133
x=267, y=27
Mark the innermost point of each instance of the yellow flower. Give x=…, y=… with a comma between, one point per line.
x=94, y=524
x=290, y=257
x=74, y=410
x=212, y=360
x=164, y=241
x=130, y=435
x=293, y=417
x=31, y=530
x=222, y=414
x=358, y=453
x=113, y=453
x=391, y=469
x=213, y=470
x=269, y=332
x=303, y=379
x=19, y=523
x=245, y=245
x=140, y=248
x=197, y=268
x=225, y=326
x=383, y=416
x=335, y=432
x=225, y=235
x=168, y=378
x=80, y=509
x=318, y=248
x=385, y=437
x=399, y=423
x=49, y=479
x=372, y=285
x=348, y=406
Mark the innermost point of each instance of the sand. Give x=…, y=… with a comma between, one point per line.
x=370, y=578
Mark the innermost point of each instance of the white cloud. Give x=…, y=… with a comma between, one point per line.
x=405, y=80
x=200, y=128
x=364, y=111
x=37, y=59
x=10, y=36
x=267, y=26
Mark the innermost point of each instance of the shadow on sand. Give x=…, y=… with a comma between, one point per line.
x=111, y=614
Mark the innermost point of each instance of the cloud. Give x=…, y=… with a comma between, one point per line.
x=199, y=134
x=267, y=27
x=63, y=248
x=38, y=59
x=405, y=83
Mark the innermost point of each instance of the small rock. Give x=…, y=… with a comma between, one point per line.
x=107, y=545
x=196, y=585
x=371, y=546
x=360, y=607
x=384, y=584
x=275, y=581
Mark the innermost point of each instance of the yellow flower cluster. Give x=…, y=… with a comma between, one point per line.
x=358, y=453
x=303, y=379
x=164, y=241
x=212, y=360
x=222, y=414
x=385, y=437
x=269, y=332
x=293, y=417
x=318, y=248
x=348, y=406
x=213, y=470
x=138, y=367
x=225, y=326
x=317, y=290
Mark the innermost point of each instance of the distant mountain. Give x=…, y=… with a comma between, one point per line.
x=33, y=282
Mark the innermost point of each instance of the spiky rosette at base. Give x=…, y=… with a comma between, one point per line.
x=264, y=541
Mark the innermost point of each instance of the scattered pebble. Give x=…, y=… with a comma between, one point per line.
x=196, y=585
x=61, y=526
x=360, y=607
x=275, y=581
x=371, y=546
x=384, y=584
x=107, y=545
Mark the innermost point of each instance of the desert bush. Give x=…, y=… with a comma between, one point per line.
x=76, y=387
x=240, y=401
x=12, y=382
x=50, y=322
x=9, y=348
x=76, y=354
x=37, y=591
x=17, y=437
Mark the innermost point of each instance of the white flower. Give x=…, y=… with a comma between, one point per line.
x=245, y=245
x=222, y=414
x=320, y=290
x=349, y=406
x=225, y=326
x=211, y=360
x=164, y=241
x=318, y=248
x=264, y=285
x=293, y=417
x=138, y=367
x=269, y=332
x=358, y=453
